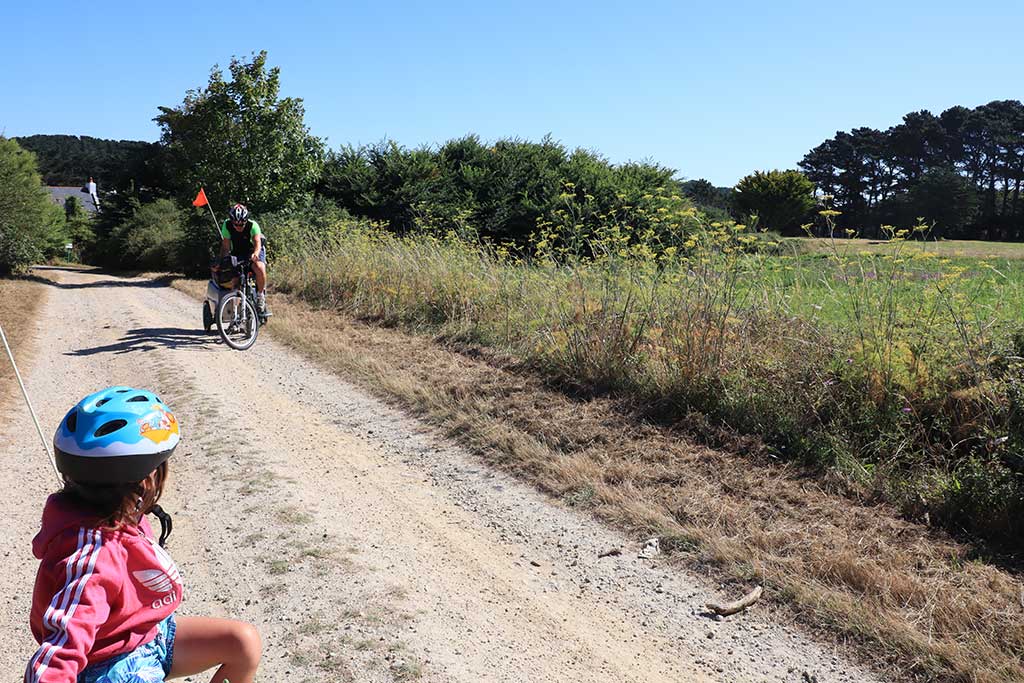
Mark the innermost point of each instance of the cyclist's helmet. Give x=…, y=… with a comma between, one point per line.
x=238, y=214
x=117, y=435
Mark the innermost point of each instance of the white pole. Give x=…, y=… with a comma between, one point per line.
x=31, y=410
x=216, y=225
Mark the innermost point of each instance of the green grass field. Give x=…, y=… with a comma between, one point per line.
x=818, y=282
x=971, y=249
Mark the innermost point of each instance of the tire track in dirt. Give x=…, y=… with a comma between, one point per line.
x=362, y=546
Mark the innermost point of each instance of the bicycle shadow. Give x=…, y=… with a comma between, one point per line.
x=150, y=339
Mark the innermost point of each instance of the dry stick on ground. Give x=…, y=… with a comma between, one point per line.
x=737, y=606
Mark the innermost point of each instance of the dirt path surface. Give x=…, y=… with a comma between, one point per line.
x=362, y=545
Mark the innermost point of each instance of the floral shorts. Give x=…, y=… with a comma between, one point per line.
x=149, y=663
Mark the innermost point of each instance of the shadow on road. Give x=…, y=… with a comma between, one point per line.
x=71, y=269
x=150, y=338
x=163, y=281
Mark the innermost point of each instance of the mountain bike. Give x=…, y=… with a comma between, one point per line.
x=237, y=316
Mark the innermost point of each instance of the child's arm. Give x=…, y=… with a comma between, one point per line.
x=76, y=612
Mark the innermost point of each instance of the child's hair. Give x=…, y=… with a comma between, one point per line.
x=117, y=504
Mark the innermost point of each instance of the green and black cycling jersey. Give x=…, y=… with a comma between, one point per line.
x=242, y=241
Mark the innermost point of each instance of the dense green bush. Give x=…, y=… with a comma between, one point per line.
x=31, y=226
x=319, y=224
x=151, y=238
x=133, y=235
x=199, y=243
x=501, y=192
x=782, y=200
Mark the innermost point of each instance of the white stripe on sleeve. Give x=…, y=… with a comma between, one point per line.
x=90, y=543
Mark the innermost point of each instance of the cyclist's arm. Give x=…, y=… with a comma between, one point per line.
x=225, y=240
x=257, y=239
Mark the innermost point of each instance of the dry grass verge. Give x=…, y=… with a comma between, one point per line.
x=20, y=300
x=911, y=601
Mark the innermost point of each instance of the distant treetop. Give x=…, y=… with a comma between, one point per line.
x=70, y=160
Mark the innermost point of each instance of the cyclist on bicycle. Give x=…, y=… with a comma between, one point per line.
x=241, y=237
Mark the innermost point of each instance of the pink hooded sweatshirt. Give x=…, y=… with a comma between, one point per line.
x=99, y=592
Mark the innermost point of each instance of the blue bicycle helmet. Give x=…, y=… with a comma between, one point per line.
x=114, y=436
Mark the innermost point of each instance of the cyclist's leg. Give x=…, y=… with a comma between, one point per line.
x=259, y=269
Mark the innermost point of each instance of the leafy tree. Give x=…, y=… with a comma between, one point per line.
x=716, y=202
x=106, y=248
x=917, y=144
x=782, y=200
x=240, y=141
x=31, y=226
x=79, y=228
x=71, y=207
x=895, y=176
x=944, y=198
x=701, y=191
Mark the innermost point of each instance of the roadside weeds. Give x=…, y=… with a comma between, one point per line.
x=20, y=301
x=914, y=603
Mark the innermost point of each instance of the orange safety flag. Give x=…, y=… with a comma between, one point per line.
x=200, y=199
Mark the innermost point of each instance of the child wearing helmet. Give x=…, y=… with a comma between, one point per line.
x=106, y=592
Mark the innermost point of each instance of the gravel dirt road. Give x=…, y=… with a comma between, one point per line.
x=362, y=545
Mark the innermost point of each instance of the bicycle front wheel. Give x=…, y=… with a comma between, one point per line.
x=237, y=321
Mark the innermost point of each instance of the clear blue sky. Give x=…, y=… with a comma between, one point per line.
x=714, y=90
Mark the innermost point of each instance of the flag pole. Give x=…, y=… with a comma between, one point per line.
x=216, y=225
x=206, y=203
